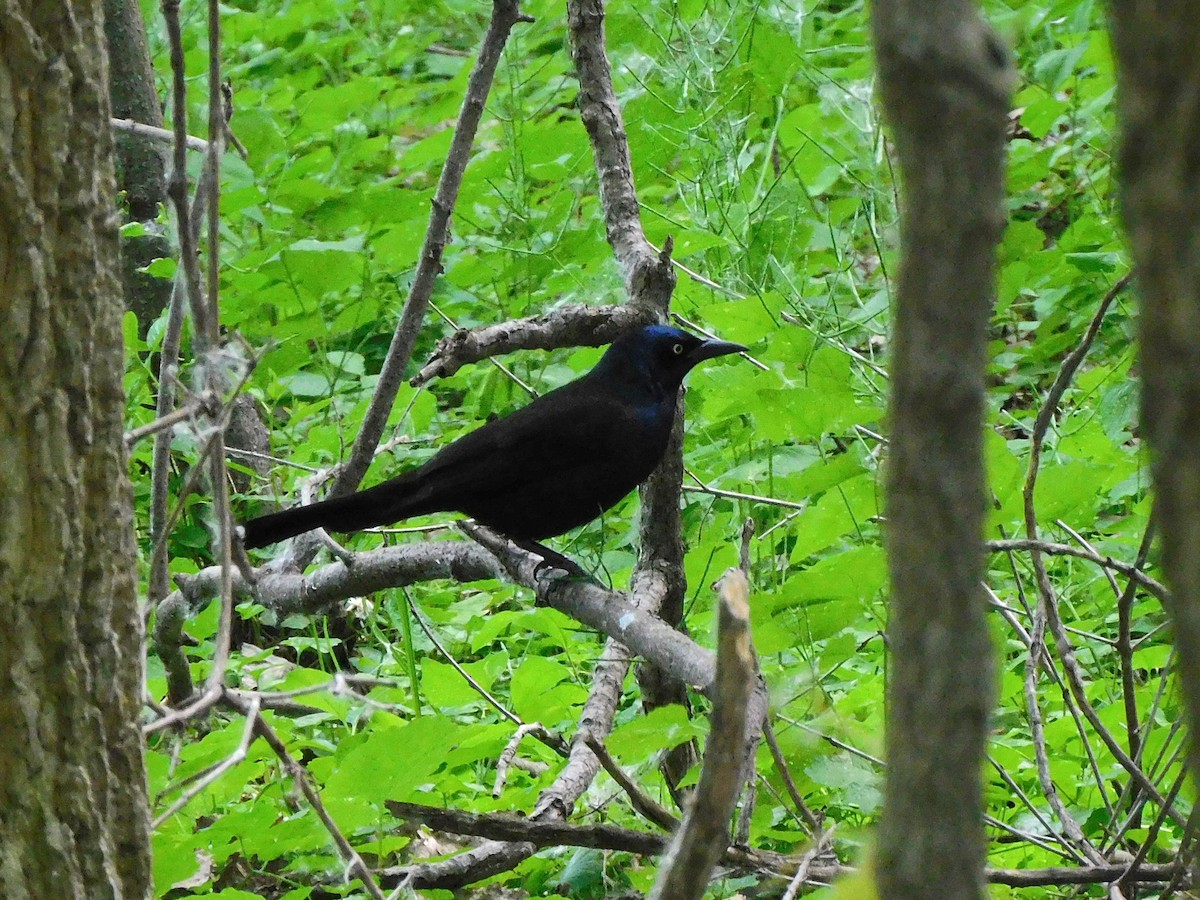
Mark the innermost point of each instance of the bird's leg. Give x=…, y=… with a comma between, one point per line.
x=552, y=559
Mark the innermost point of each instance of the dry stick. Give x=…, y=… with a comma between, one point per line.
x=642, y=802
x=170, y=623
x=207, y=339
x=1081, y=726
x=990, y=820
x=1047, y=602
x=1100, y=780
x=299, y=775
x=573, y=325
x=178, y=183
x=607, y=611
x=508, y=827
x=789, y=784
x=762, y=782
x=168, y=367
x=501, y=826
x=505, y=14
x=1152, y=835
x=1037, y=729
x=768, y=731
x=649, y=277
x=509, y=754
x=372, y=570
x=1028, y=640
x=203, y=315
x=698, y=844
x=1083, y=633
x=1168, y=762
x=1125, y=647
x=1183, y=858
x=1076, y=682
x=1130, y=570
x=167, y=422
x=557, y=801
x=822, y=845
x=141, y=129
x=158, y=554
x=467, y=677
x=201, y=705
x=341, y=685
x=1024, y=798
x=1103, y=873
x=203, y=779
x=310, y=592
x=703, y=488
x=553, y=805
x=505, y=370
x=1126, y=799
x=551, y=739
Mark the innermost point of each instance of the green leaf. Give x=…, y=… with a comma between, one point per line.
x=844, y=509
x=644, y=737
x=389, y=764
x=543, y=691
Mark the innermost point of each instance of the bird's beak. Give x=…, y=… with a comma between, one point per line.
x=710, y=349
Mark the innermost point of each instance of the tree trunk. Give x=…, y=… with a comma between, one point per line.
x=141, y=162
x=945, y=84
x=73, y=806
x=141, y=168
x=1158, y=95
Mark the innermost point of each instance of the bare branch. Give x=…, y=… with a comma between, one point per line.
x=609, y=612
x=575, y=325
x=155, y=133
x=505, y=14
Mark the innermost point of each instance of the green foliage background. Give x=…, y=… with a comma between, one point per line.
x=757, y=146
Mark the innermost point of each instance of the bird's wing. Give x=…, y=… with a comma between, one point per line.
x=574, y=436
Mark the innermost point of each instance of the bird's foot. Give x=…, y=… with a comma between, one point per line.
x=553, y=561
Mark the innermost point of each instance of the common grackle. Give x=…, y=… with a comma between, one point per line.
x=549, y=467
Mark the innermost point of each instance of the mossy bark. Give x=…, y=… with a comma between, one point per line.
x=73, y=803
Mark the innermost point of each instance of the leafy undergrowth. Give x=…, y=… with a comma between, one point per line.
x=757, y=146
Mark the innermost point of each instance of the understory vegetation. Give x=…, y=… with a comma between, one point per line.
x=757, y=148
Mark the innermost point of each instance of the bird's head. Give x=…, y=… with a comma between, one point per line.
x=662, y=354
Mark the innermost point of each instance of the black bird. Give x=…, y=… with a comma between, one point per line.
x=549, y=467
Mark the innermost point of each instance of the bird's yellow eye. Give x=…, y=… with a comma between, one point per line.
x=677, y=349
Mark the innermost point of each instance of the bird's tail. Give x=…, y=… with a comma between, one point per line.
x=381, y=505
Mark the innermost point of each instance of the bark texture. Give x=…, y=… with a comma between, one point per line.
x=1158, y=97
x=141, y=163
x=945, y=85
x=73, y=807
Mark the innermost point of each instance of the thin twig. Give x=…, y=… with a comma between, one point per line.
x=789, y=783
x=821, y=845
x=505, y=14
x=1130, y=570
x=153, y=132
x=165, y=423
x=203, y=779
x=642, y=802
x=300, y=777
